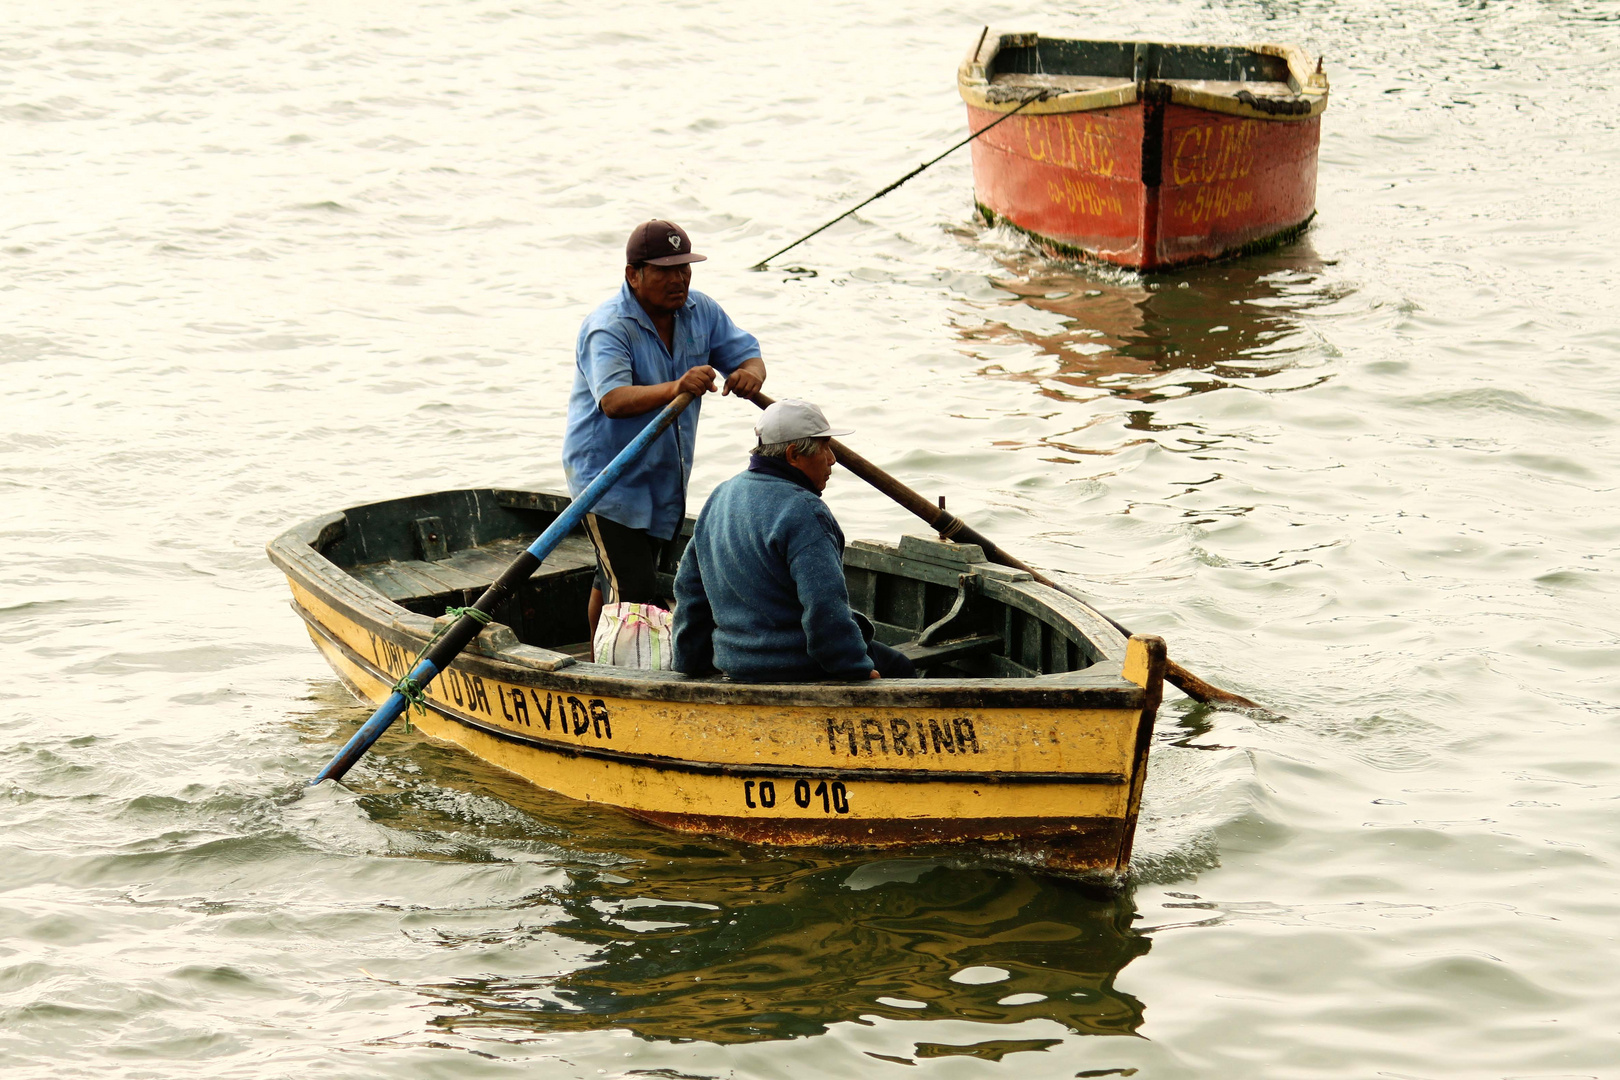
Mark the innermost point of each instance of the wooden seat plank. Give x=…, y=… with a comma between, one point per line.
x=442, y=578
x=574, y=553
x=469, y=570
x=947, y=651
x=480, y=562
x=378, y=578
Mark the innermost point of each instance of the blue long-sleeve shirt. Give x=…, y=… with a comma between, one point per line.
x=760, y=592
x=619, y=346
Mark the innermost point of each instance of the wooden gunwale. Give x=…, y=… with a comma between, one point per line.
x=976, y=89
x=493, y=653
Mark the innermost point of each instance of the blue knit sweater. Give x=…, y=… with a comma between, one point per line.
x=760, y=593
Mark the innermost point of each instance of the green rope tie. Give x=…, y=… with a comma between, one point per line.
x=407, y=687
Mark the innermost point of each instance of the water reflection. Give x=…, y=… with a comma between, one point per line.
x=712, y=946
x=1079, y=331
x=677, y=938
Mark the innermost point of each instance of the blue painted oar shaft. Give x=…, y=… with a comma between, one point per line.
x=447, y=648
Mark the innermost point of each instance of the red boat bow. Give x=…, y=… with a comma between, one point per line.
x=1147, y=173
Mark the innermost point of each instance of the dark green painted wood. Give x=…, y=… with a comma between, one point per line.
x=947, y=652
x=1116, y=59
x=862, y=586
x=428, y=533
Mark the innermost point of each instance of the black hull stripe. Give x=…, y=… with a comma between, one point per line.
x=710, y=768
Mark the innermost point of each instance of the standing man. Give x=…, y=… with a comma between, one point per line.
x=654, y=340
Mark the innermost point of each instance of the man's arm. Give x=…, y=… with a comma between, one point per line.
x=831, y=634
x=624, y=402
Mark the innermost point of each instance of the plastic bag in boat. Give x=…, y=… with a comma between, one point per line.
x=635, y=636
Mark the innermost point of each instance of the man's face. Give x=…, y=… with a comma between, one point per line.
x=661, y=289
x=817, y=466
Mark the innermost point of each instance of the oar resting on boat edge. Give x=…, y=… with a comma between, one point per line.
x=951, y=527
x=447, y=646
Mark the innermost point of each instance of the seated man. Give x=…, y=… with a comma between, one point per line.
x=760, y=593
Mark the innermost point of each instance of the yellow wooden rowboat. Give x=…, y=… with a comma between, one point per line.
x=1028, y=735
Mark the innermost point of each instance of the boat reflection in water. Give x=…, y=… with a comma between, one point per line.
x=1082, y=332
x=680, y=938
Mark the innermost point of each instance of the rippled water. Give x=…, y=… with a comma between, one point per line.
x=262, y=262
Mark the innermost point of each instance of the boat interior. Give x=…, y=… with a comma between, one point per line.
x=1029, y=61
x=952, y=612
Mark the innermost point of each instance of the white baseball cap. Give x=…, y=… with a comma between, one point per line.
x=785, y=421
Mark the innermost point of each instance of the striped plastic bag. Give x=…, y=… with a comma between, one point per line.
x=635, y=636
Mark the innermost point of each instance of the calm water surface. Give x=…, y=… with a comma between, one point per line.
x=259, y=262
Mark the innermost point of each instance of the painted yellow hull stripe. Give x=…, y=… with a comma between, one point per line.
x=735, y=803
x=653, y=761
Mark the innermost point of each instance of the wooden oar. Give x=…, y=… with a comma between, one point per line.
x=445, y=648
x=951, y=527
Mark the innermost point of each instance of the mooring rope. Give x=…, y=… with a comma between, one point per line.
x=407, y=687
x=1040, y=95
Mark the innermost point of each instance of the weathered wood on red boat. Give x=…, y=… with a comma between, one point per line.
x=1073, y=179
x=1148, y=174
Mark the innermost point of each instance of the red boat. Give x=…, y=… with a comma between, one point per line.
x=1145, y=155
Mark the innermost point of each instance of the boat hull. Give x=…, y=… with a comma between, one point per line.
x=1148, y=174
x=1051, y=774
x=1080, y=183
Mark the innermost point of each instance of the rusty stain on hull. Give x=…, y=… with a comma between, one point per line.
x=1075, y=845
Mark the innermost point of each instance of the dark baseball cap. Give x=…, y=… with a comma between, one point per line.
x=662, y=243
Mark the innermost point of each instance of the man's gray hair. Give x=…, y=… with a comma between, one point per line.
x=806, y=447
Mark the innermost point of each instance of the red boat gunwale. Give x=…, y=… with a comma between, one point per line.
x=1142, y=154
